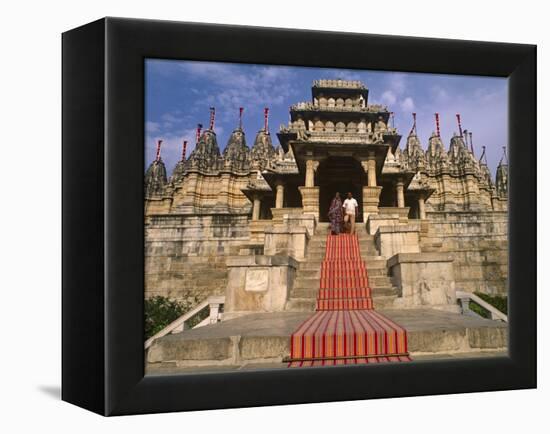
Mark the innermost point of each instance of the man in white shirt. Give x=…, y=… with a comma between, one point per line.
x=350, y=211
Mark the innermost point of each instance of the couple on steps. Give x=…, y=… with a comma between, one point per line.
x=340, y=214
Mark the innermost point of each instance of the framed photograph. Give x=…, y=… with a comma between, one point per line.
x=258, y=216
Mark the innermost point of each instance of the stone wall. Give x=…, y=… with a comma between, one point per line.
x=479, y=244
x=185, y=254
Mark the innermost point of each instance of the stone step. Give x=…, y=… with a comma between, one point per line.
x=300, y=305
x=365, y=251
x=315, y=272
x=312, y=293
x=314, y=282
x=265, y=338
x=371, y=261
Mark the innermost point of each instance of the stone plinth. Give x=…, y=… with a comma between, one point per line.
x=279, y=213
x=258, y=284
x=257, y=230
x=391, y=240
x=402, y=213
x=310, y=200
x=371, y=199
x=376, y=221
x=286, y=239
x=424, y=279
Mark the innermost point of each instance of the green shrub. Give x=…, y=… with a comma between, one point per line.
x=498, y=301
x=161, y=311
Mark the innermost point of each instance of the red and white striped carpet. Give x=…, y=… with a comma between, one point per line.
x=345, y=329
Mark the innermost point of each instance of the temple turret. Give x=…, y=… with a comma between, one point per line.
x=484, y=168
x=502, y=175
x=435, y=154
x=236, y=153
x=413, y=154
x=179, y=171
x=155, y=176
x=263, y=151
x=207, y=152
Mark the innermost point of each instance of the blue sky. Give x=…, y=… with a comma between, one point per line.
x=179, y=94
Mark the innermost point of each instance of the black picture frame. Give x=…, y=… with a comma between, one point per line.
x=103, y=227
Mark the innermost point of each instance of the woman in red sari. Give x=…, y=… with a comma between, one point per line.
x=335, y=215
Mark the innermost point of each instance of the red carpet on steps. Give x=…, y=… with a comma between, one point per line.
x=345, y=329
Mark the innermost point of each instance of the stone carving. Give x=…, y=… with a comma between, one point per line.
x=206, y=154
x=236, y=153
x=263, y=152
x=155, y=179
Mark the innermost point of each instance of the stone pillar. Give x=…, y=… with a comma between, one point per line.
x=310, y=200
x=256, y=208
x=421, y=208
x=371, y=192
x=280, y=197
x=399, y=189
x=311, y=168
x=371, y=170
x=371, y=199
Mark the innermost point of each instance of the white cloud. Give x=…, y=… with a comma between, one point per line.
x=388, y=97
x=152, y=127
x=407, y=104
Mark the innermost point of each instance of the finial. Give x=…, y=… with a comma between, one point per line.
x=241, y=109
x=504, y=156
x=483, y=156
x=466, y=137
x=184, y=150
x=413, y=129
x=437, y=125
x=159, y=143
x=199, y=128
x=266, y=117
x=392, y=117
x=212, y=117
x=471, y=142
x=459, y=125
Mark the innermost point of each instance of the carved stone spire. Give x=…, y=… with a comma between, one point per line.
x=179, y=171
x=413, y=155
x=236, y=153
x=502, y=175
x=435, y=154
x=155, y=178
x=207, y=152
x=484, y=168
x=460, y=157
x=262, y=152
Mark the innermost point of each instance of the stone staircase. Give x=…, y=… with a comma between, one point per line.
x=306, y=285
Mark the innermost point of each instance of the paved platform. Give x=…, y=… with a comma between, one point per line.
x=262, y=340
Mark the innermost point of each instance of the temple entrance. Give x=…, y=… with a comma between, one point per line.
x=340, y=174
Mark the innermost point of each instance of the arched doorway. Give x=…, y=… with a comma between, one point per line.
x=339, y=174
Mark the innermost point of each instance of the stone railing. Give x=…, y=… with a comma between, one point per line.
x=467, y=297
x=212, y=303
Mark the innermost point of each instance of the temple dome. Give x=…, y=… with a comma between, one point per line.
x=236, y=150
x=263, y=151
x=155, y=178
x=207, y=152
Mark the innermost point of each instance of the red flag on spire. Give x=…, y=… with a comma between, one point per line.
x=199, y=128
x=266, y=116
x=212, y=117
x=241, y=109
x=413, y=129
x=159, y=143
x=184, y=150
x=459, y=125
x=437, y=125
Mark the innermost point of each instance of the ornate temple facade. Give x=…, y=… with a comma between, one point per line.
x=239, y=222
